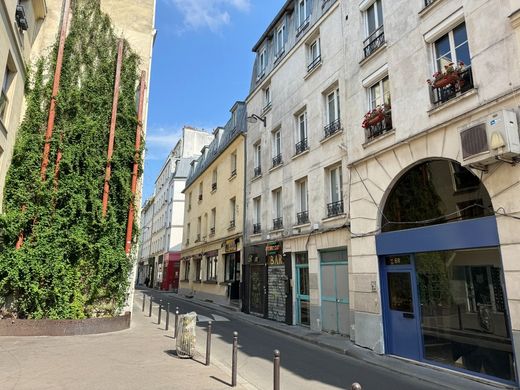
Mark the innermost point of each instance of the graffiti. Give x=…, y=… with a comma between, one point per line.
x=276, y=293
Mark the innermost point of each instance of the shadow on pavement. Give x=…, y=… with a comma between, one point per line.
x=220, y=380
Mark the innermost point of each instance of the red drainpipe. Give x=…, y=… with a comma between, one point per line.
x=55, y=90
x=106, y=187
x=130, y=224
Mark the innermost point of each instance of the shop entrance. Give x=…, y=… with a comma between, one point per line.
x=303, y=309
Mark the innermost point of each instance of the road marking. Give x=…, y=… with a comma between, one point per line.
x=216, y=317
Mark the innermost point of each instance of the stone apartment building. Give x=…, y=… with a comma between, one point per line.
x=296, y=173
x=28, y=30
x=212, y=246
x=163, y=213
x=434, y=203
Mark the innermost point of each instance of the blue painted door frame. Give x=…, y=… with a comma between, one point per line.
x=300, y=297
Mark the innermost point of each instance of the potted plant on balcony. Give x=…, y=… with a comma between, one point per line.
x=450, y=76
x=375, y=116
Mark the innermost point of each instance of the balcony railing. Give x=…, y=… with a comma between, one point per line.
x=234, y=172
x=335, y=208
x=332, y=128
x=200, y=197
x=198, y=238
x=212, y=231
x=374, y=41
x=277, y=160
x=232, y=224
x=267, y=107
x=257, y=228
x=463, y=84
x=428, y=3
x=213, y=186
x=372, y=132
x=187, y=242
x=302, y=217
x=315, y=62
x=302, y=146
x=257, y=171
x=301, y=28
x=277, y=223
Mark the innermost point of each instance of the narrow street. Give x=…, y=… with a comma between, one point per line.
x=304, y=366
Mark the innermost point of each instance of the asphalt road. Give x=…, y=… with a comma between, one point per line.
x=304, y=365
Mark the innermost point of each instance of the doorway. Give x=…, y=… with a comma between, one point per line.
x=303, y=315
x=334, y=292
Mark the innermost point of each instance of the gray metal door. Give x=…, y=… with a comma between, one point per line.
x=334, y=292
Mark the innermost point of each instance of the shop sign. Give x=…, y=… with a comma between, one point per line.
x=252, y=258
x=273, y=248
x=276, y=259
x=230, y=245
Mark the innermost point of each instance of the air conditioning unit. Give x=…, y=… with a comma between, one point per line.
x=490, y=139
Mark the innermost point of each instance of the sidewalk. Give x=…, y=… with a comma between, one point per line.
x=138, y=358
x=340, y=344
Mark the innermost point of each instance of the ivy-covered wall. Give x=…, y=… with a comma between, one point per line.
x=72, y=263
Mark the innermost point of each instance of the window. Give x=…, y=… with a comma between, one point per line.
x=232, y=212
x=4, y=92
x=280, y=40
x=211, y=268
x=233, y=120
x=232, y=267
x=314, y=55
x=302, y=12
x=205, y=226
x=199, y=226
x=277, y=147
x=374, y=24
x=213, y=221
x=187, y=270
x=301, y=133
x=198, y=269
x=214, y=180
x=335, y=207
x=262, y=62
x=258, y=159
x=267, y=99
x=189, y=201
x=452, y=48
x=333, y=107
x=188, y=233
x=302, y=200
x=257, y=215
x=233, y=164
x=277, y=209
x=201, y=186
x=380, y=120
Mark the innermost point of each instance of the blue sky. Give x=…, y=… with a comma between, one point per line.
x=201, y=65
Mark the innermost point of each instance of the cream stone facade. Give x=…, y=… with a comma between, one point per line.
x=297, y=177
x=422, y=125
x=212, y=244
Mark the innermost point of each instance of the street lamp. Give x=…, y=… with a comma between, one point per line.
x=254, y=118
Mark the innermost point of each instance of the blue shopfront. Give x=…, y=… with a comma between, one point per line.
x=442, y=283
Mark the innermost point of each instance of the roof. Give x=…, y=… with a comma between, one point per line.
x=183, y=167
x=287, y=7
x=227, y=135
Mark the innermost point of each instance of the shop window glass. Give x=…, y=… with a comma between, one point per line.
x=435, y=192
x=464, y=321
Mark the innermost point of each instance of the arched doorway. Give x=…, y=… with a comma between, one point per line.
x=441, y=272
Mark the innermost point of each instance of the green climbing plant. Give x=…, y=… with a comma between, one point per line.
x=72, y=263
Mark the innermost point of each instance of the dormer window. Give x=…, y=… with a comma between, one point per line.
x=280, y=41
x=302, y=12
x=262, y=62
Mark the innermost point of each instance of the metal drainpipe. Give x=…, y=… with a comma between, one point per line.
x=244, y=217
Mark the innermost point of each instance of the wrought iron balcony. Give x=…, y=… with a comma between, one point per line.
x=277, y=223
x=302, y=146
x=213, y=186
x=335, y=208
x=428, y=3
x=315, y=62
x=257, y=171
x=200, y=197
x=257, y=228
x=374, y=41
x=212, y=231
x=450, y=91
x=234, y=172
x=301, y=28
x=267, y=107
x=232, y=224
x=332, y=128
x=374, y=131
x=277, y=160
x=302, y=217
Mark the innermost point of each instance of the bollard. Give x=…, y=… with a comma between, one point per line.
x=167, y=316
x=208, y=344
x=234, y=360
x=176, y=331
x=144, y=299
x=276, y=371
x=150, y=311
x=356, y=386
x=159, y=314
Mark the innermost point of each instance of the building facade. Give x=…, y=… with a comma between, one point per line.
x=20, y=26
x=434, y=187
x=164, y=213
x=296, y=178
x=212, y=246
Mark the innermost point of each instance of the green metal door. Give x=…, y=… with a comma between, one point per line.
x=334, y=292
x=302, y=289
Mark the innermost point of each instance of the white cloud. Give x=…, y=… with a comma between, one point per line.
x=208, y=13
